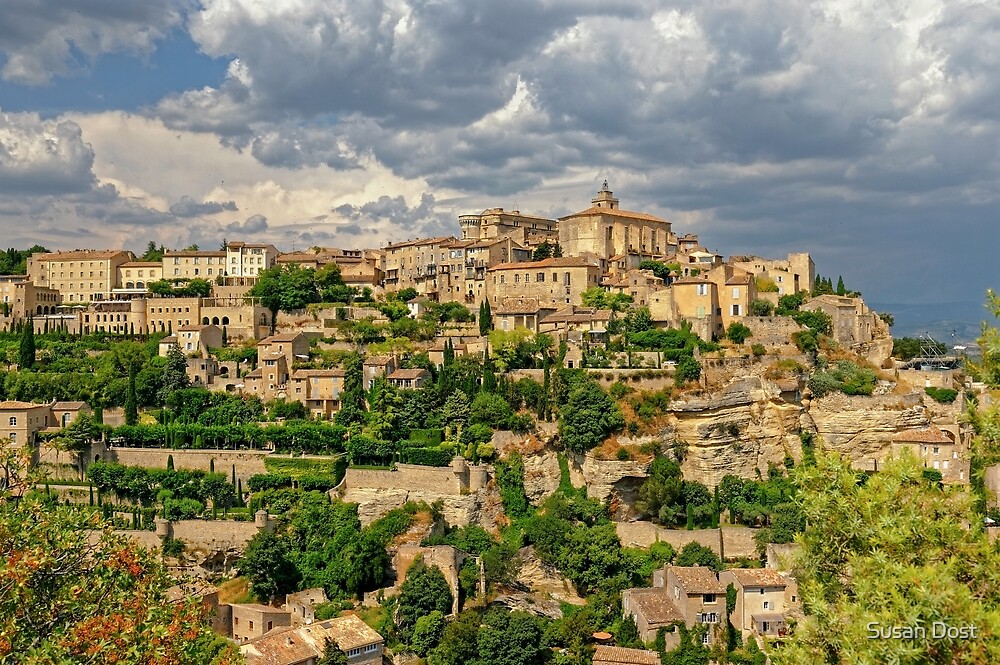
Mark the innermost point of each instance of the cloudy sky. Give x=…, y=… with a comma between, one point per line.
x=864, y=132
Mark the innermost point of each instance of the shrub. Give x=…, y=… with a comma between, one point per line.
x=688, y=369
x=623, y=454
x=268, y=481
x=760, y=307
x=428, y=456
x=845, y=377
x=758, y=350
x=738, y=332
x=942, y=395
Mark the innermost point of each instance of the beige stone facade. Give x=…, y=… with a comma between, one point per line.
x=496, y=223
x=417, y=264
x=252, y=620
x=639, y=284
x=760, y=600
x=290, y=345
x=795, y=273
x=246, y=260
x=853, y=322
x=20, y=422
x=193, y=264
x=80, y=276
x=606, y=230
x=22, y=298
x=555, y=281
x=318, y=389
x=198, y=339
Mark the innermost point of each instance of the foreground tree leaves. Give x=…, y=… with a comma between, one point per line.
x=72, y=595
x=892, y=552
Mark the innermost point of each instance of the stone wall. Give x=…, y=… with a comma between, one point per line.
x=408, y=477
x=771, y=331
x=207, y=535
x=247, y=462
x=729, y=542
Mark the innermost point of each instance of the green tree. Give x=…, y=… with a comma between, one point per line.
x=26, y=350
x=510, y=639
x=285, y=288
x=894, y=550
x=266, y=564
x=660, y=495
x=424, y=590
x=759, y=307
x=688, y=369
x=694, y=554
x=427, y=632
x=841, y=290
x=485, y=318
x=738, y=332
x=456, y=409
x=174, y=373
x=542, y=252
x=458, y=644
x=74, y=592
x=589, y=417
x=332, y=654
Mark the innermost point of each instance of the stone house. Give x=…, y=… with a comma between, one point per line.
x=639, y=284
x=376, y=366
x=196, y=340
x=306, y=644
x=63, y=413
x=246, y=260
x=792, y=274
x=293, y=346
x=936, y=449
x=698, y=595
x=134, y=278
x=318, y=389
x=553, y=282
x=192, y=264
x=415, y=264
x=760, y=600
x=409, y=379
x=302, y=605
x=520, y=312
x=80, y=276
x=253, y=620
x=21, y=297
x=652, y=610
x=20, y=422
x=853, y=322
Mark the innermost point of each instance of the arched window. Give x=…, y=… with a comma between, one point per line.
x=215, y=320
x=38, y=310
x=225, y=320
x=140, y=285
x=204, y=320
x=129, y=285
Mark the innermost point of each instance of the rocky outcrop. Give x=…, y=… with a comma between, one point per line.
x=540, y=578
x=457, y=510
x=861, y=428
x=541, y=475
x=739, y=431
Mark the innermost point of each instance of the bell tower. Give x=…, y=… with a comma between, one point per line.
x=605, y=198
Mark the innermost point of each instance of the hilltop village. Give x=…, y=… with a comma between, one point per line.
x=548, y=440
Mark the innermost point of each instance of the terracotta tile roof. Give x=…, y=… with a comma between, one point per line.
x=11, y=405
x=606, y=655
x=349, y=632
x=422, y=241
x=758, y=577
x=738, y=279
x=280, y=647
x=615, y=212
x=142, y=264
x=930, y=435
x=409, y=373
x=192, y=589
x=697, y=579
x=691, y=280
x=378, y=361
x=196, y=328
x=282, y=337
x=69, y=406
x=192, y=252
x=554, y=262
x=655, y=606
x=86, y=254
x=306, y=373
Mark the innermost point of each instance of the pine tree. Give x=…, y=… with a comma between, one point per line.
x=26, y=352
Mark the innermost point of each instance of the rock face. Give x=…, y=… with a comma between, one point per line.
x=861, y=428
x=457, y=510
x=541, y=578
x=739, y=431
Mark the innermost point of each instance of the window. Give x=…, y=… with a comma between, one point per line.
x=704, y=638
x=270, y=625
x=767, y=604
x=736, y=310
x=708, y=598
x=353, y=652
x=13, y=437
x=371, y=648
x=555, y=277
x=13, y=421
x=736, y=293
x=236, y=621
x=936, y=449
x=251, y=625
x=540, y=277
x=702, y=289
x=762, y=591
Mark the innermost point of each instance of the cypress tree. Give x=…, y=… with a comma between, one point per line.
x=234, y=475
x=170, y=462
x=26, y=352
x=92, y=494
x=211, y=465
x=225, y=336
x=485, y=318
x=841, y=290
x=131, y=407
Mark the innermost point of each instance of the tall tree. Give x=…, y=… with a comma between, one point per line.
x=174, y=373
x=332, y=654
x=841, y=289
x=485, y=318
x=26, y=351
x=285, y=288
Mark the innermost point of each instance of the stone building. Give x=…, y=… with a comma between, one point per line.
x=689, y=595
x=253, y=620
x=318, y=389
x=302, y=605
x=608, y=231
x=80, y=276
x=760, y=600
x=520, y=312
x=306, y=644
x=293, y=346
x=853, y=322
x=639, y=284
x=134, y=278
x=496, y=223
x=193, y=264
x=20, y=298
x=198, y=339
x=553, y=281
x=609, y=655
x=792, y=274
x=944, y=451
x=414, y=264
x=20, y=422
x=246, y=260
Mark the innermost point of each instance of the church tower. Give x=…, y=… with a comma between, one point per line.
x=605, y=198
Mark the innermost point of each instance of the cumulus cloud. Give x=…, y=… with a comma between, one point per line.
x=252, y=224
x=46, y=39
x=188, y=207
x=43, y=157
